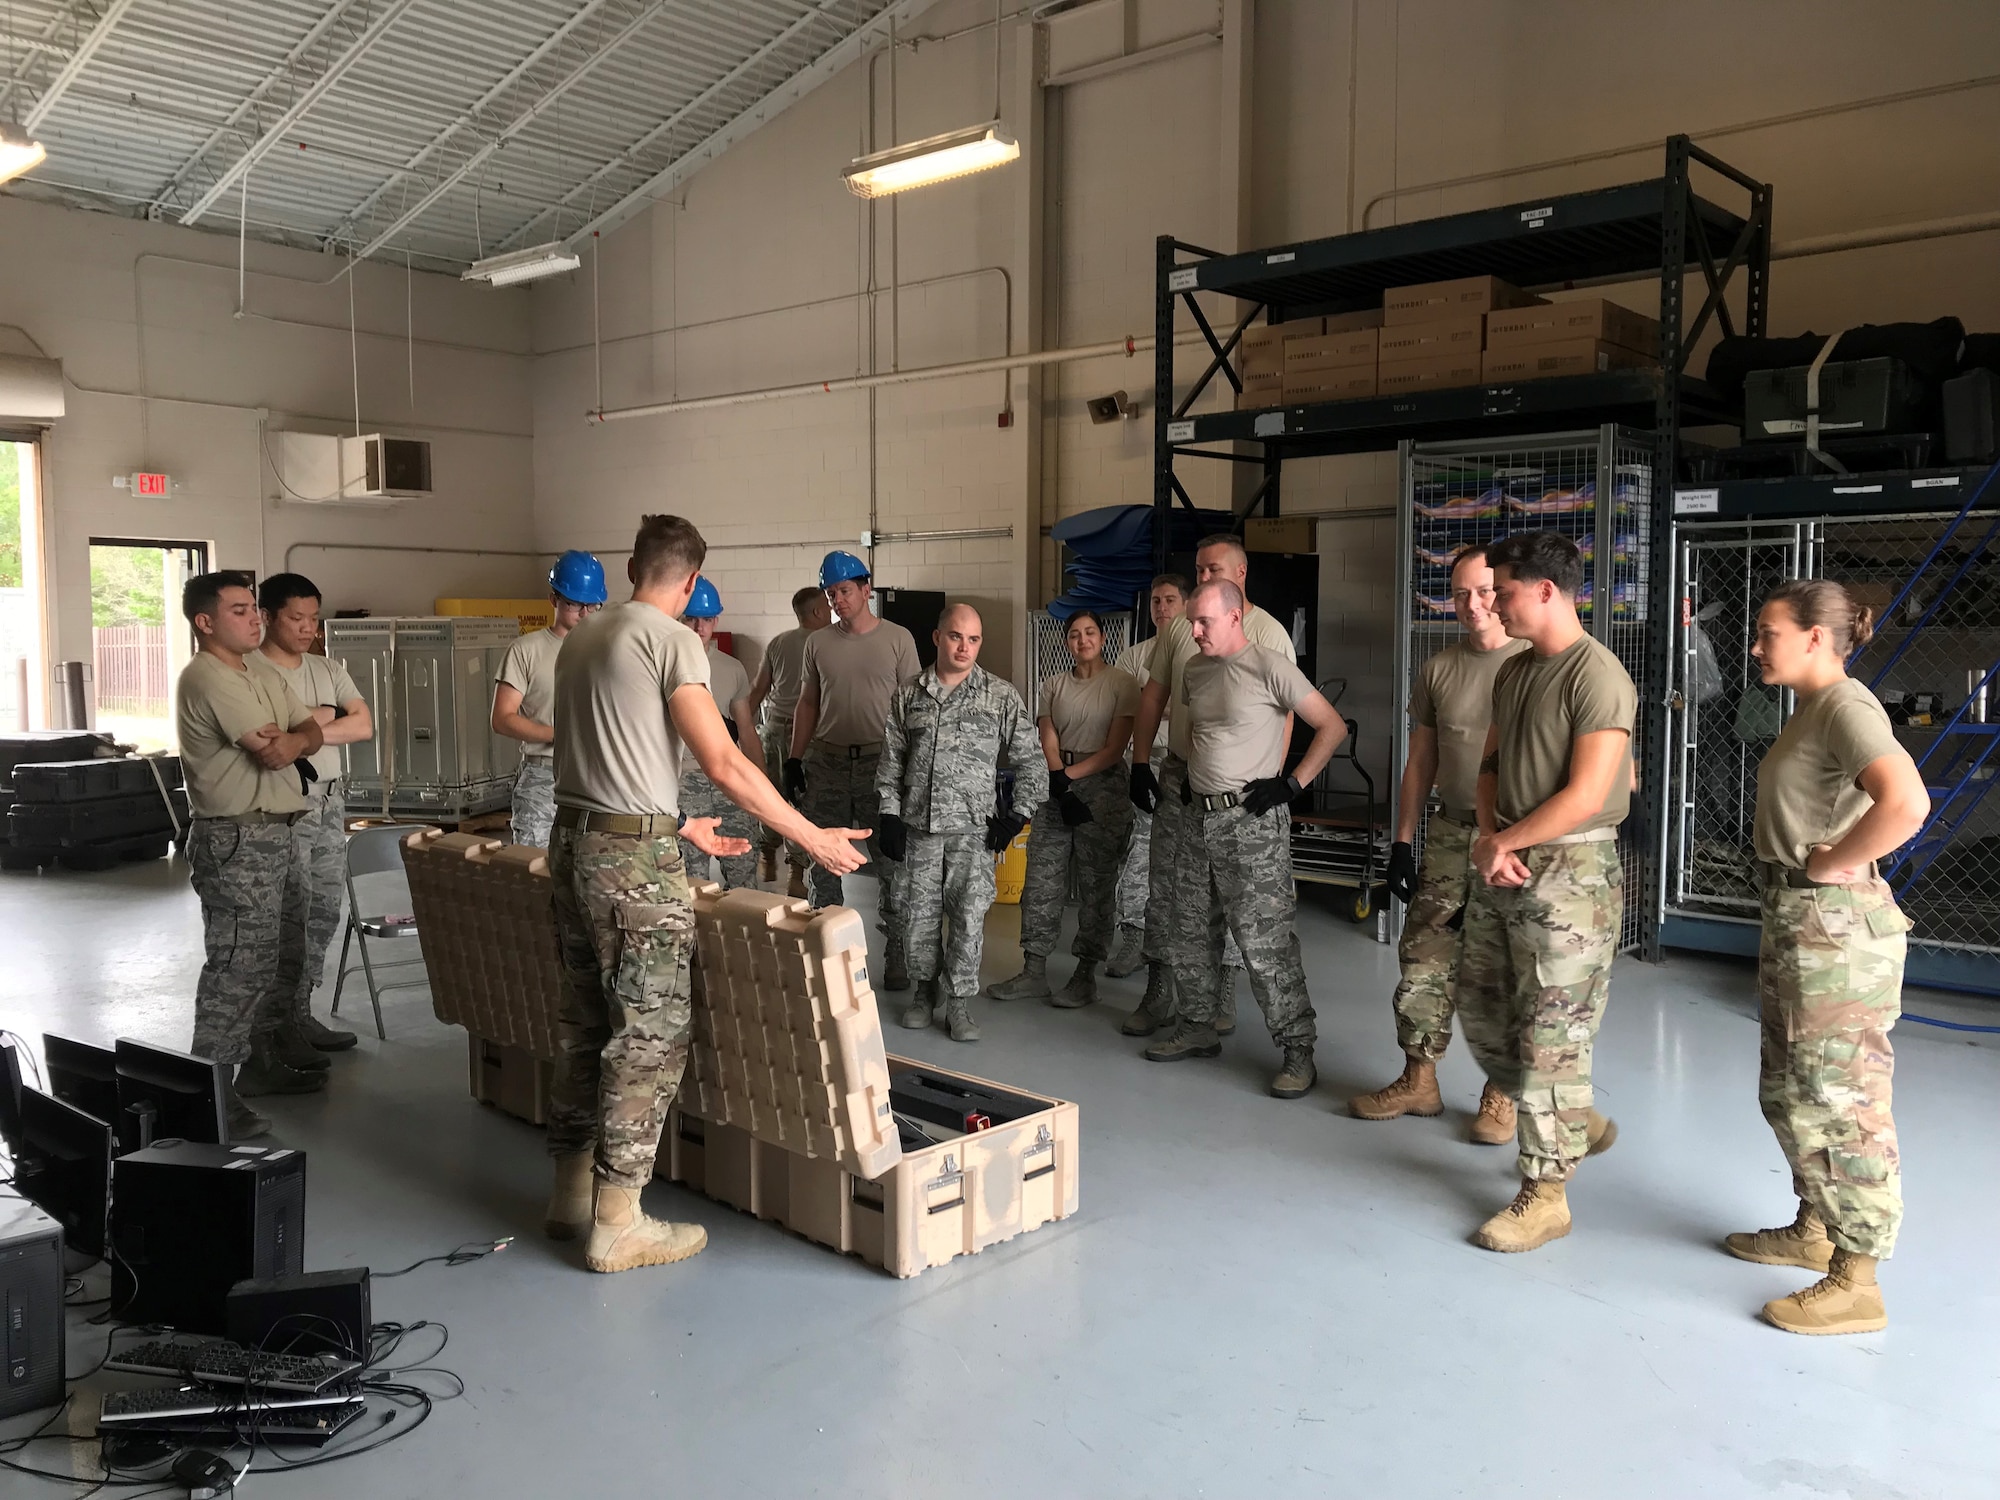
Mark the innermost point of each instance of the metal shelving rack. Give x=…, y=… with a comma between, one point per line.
x=1660, y=226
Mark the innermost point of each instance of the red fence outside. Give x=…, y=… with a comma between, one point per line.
x=131, y=666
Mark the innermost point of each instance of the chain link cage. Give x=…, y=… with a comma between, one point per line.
x=1594, y=487
x=1727, y=717
x=1048, y=651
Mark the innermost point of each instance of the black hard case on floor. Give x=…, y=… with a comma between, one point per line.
x=82, y=780
x=62, y=825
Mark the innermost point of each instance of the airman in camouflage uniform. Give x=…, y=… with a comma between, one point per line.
x=935, y=784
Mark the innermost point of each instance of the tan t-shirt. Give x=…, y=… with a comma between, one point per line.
x=317, y=682
x=1235, y=713
x=1543, y=705
x=1177, y=648
x=1081, y=709
x=857, y=675
x=727, y=681
x=215, y=705
x=786, y=657
x=1136, y=659
x=1806, y=789
x=530, y=669
x=616, y=749
x=1453, y=695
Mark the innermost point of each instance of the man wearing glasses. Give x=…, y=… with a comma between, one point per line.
x=1451, y=704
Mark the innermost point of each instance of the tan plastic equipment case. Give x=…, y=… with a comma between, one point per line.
x=788, y=1109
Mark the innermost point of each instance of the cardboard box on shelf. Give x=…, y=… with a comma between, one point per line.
x=1281, y=534
x=1460, y=335
x=1590, y=318
x=1330, y=351
x=1428, y=301
x=1353, y=322
x=1262, y=348
x=1561, y=357
x=1261, y=390
x=1432, y=373
x=1309, y=386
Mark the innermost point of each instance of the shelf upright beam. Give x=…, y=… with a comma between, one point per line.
x=1163, y=397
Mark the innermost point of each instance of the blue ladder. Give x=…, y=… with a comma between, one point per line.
x=1953, y=765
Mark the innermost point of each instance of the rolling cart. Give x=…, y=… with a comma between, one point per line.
x=1344, y=840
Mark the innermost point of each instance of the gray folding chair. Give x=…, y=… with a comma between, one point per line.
x=377, y=852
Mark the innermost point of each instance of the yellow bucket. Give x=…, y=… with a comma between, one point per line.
x=1010, y=869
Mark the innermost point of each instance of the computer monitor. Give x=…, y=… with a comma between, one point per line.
x=64, y=1168
x=10, y=1097
x=170, y=1095
x=86, y=1077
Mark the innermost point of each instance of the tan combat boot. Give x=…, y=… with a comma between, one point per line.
x=767, y=867
x=1538, y=1214
x=1847, y=1300
x=1801, y=1243
x=1601, y=1134
x=1297, y=1073
x=621, y=1237
x=1225, y=1000
x=796, y=888
x=1494, y=1124
x=1415, y=1093
x=569, y=1210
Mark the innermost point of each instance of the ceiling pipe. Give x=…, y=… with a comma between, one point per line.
x=73, y=69
x=1889, y=234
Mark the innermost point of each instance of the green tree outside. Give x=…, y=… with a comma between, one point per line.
x=126, y=586
x=10, y=517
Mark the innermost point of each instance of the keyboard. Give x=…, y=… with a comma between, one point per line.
x=122, y=1407
x=219, y=1362
x=311, y=1421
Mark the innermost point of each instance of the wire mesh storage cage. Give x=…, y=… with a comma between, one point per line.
x=1048, y=650
x=1932, y=656
x=1594, y=487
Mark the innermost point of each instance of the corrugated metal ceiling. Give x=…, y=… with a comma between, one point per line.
x=449, y=129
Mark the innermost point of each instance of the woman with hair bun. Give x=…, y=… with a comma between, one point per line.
x=1835, y=794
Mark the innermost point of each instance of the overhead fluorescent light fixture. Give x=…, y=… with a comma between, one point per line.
x=518, y=266
x=956, y=153
x=19, y=151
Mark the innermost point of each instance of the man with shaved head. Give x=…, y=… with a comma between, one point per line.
x=940, y=821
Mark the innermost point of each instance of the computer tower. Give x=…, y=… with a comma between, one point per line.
x=190, y=1220
x=31, y=1293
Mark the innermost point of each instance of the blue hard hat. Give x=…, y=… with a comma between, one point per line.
x=705, y=603
x=578, y=577
x=838, y=567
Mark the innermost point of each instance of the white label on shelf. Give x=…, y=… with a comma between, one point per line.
x=1697, y=502
x=1180, y=432
x=1185, y=279
x=1280, y=258
x=1857, y=489
x=1534, y=216
x=1942, y=481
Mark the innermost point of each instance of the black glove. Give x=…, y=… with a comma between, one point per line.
x=1639, y=828
x=1145, y=790
x=1059, y=782
x=308, y=774
x=1273, y=791
x=1187, y=792
x=1402, y=879
x=1075, y=811
x=795, y=781
x=1002, y=829
x=892, y=837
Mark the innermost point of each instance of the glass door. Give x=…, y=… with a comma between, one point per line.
x=139, y=642
x=23, y=669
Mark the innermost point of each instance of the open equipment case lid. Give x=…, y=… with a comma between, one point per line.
x=787, y=1040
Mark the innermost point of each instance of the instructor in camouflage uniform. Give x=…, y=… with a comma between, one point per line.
x=242, y=733
x=290, y=605
x=1835, y=794
x=1085, y=723
x=941, y=749
x=1541, y=923
x=1451, y=706
x=1236, y=840
x=729, y=685
x=1217, y=559
x=775, y=689
x=631, y=704
x=850, y=672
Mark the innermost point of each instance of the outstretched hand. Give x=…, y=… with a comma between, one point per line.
x=701, y=832
x=834, y=849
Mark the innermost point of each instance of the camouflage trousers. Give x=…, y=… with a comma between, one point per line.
x=1163, y=868
x=840, y=793
x=1428, y=951
x=1533, y=974
x=252, y=911
x=1830, y=979
x=319, y=870
x=534, y=800
x=625, y=936
x=1133, y=872
x=1093, y=850
x=945, y=881
x=1236, y=879
x=776, y=736
x=702, y=798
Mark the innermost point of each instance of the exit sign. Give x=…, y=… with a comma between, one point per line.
x=152, y=486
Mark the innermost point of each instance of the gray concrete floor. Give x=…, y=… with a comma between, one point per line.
x=1256, y=1297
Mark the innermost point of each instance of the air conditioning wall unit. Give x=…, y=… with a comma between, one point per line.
x=323, y=469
